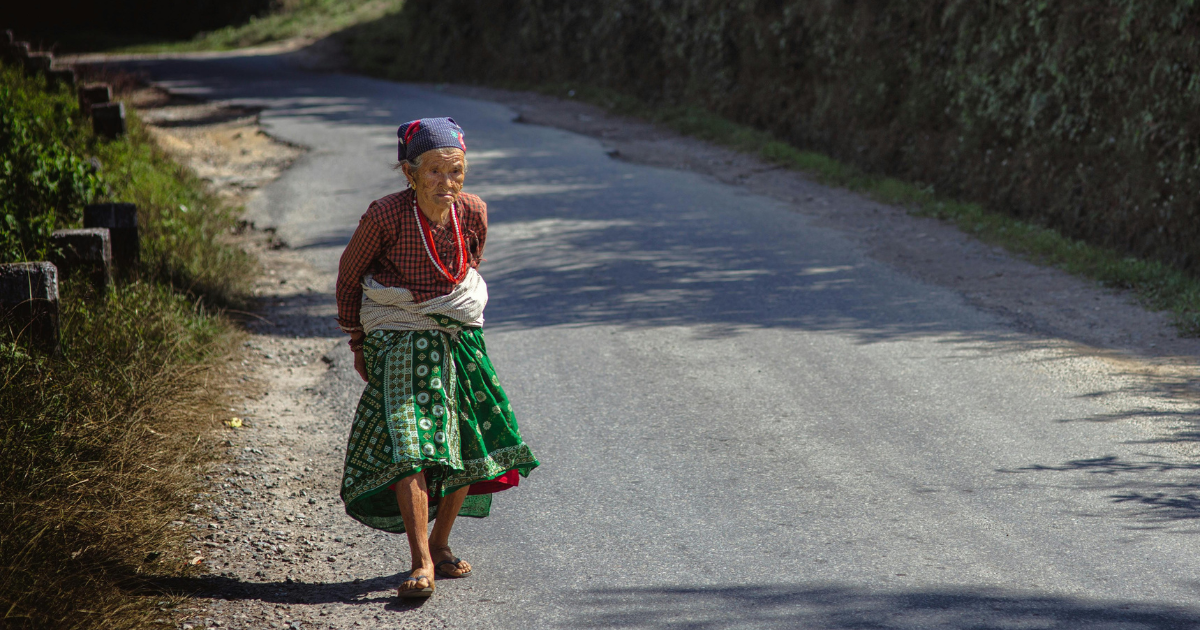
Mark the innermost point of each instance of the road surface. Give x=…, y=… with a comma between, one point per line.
x=744, y=421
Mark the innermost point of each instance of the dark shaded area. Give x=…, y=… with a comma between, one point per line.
x=84, y=25
x=837, y=607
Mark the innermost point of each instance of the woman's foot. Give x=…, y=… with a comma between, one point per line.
x=447, y=565
x=417, y=583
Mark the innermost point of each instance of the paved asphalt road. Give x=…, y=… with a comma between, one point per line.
x=744, y=422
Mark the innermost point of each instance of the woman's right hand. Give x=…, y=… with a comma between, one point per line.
x=360, y=364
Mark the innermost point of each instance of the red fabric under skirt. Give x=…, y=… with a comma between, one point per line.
x=508, y=480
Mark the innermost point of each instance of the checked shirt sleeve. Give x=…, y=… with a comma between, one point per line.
x=478, y=229
x=362, y=251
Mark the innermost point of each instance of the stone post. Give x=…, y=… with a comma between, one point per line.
x=122, y=223
x=39, y=62
x=29, y=303
x=91, y=94
x=87, y=251
x=108, y=119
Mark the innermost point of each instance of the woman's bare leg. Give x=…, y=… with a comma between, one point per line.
x=439, y=538
x=413, y=498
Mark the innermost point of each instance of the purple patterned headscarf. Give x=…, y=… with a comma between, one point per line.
x=424, y=134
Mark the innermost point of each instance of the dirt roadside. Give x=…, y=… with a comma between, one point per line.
x=280, y=551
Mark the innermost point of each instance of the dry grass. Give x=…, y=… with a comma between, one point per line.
x=104, y=447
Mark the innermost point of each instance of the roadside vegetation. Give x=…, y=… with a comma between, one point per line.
x=103, y=444
x=1094, y=201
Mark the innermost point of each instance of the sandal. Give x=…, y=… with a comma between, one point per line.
x=446, y=574
x=414, y=593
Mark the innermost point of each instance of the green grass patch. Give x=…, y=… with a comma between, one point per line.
x=1156, y=284
x=308, y=19
x=184, y=228
x=102, y=444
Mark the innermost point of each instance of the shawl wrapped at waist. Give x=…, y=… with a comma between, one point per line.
x=393, y=308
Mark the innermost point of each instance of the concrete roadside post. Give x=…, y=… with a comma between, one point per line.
x=38, y=62
x=108, y=119
x=29, y=303
x=122, y=223
x=91, y=94
x=87, y=251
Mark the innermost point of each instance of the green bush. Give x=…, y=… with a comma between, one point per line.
x=1077, y=115
x=53, y=165
x=45, y=180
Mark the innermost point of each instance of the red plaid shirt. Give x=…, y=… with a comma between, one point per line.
x=388, y=245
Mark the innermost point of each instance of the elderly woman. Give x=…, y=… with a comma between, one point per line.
x=434, y=435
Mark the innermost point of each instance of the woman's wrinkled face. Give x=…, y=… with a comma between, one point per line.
x=439, y=179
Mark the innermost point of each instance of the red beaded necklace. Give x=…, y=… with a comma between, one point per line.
x=427, y=240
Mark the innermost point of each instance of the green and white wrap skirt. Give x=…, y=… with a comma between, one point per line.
x=432, y=403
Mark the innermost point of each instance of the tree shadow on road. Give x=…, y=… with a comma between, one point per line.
x=1154, y=492
x=838, y=607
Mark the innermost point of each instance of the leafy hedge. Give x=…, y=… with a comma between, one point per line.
x=51, y=165
x=1075, y=114
x=45, y=180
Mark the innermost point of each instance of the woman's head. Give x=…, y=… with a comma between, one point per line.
x=432, y=154
x=437, y=175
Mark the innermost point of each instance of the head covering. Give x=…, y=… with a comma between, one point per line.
x=425, y=134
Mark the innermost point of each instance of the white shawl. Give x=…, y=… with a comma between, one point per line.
x=393, y=308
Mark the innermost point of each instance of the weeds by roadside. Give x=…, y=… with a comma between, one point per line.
x=102, y=444
x=101, y=449
x=1157, y=285
x=185, y=229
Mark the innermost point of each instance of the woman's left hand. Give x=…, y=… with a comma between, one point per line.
x=360, y=364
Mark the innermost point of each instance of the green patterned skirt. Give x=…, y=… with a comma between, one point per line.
x=432, y=403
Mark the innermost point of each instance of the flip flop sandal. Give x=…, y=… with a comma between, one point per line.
x=415, y=593
x=437, y=568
